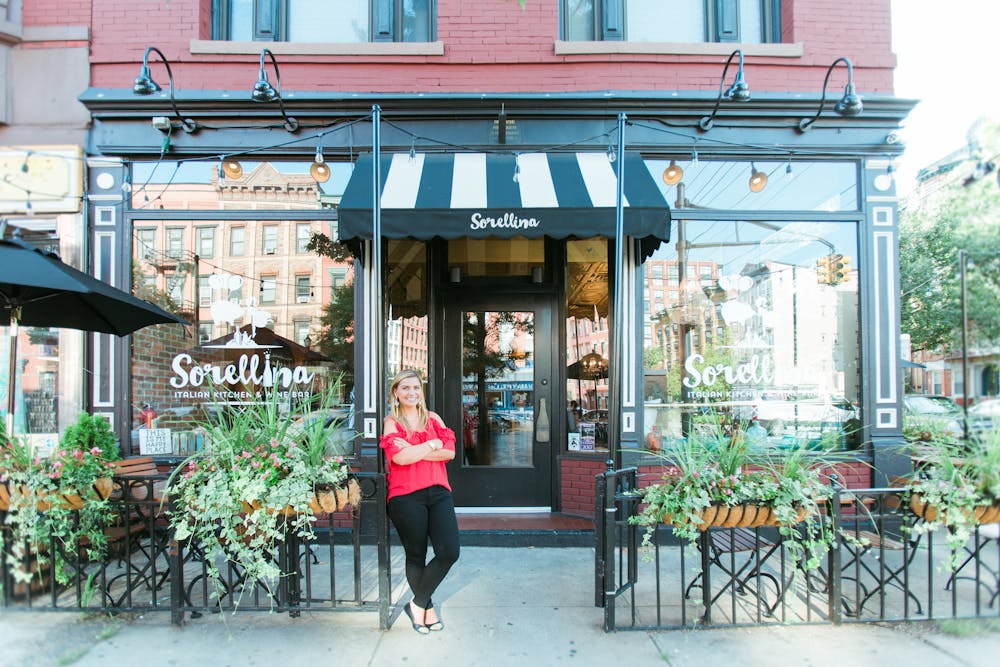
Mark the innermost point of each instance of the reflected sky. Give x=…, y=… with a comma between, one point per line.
x=810, y=186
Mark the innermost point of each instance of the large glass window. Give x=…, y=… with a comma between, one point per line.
x=310, y=21
x=586, y=344
x=205, y=239
x=406, y=292
x=766, y=334
x=746, y=21
x=237, y=237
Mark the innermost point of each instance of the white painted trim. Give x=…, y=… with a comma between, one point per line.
x=882, y=216
x=884, y=295
x=56, y=33
x=886, y=418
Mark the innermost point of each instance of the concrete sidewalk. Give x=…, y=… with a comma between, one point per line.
x=501, y=607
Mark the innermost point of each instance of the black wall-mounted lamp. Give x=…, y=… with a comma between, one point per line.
x=263, y=91
x=848, y=105
x=738, y=92
x=144, y=85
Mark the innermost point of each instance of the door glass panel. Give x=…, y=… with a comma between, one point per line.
x=498, y=379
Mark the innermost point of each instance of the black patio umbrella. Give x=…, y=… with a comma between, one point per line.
x=37, y=289
x=591, y=366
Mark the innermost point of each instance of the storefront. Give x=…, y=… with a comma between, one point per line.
x=754, y=282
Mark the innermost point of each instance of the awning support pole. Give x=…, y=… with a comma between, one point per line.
x=376, y=325
x=618, y=329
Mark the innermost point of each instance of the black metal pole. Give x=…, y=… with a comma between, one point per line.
x=618, y=329
x=963, y=261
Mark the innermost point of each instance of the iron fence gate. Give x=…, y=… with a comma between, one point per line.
x=882, y=567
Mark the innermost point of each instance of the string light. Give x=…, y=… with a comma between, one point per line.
x=517, y=168
x=612, y=155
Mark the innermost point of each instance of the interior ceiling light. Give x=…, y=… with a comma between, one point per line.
x=673, y=174
x=738, y=92
x=263, y=91
x=848, y=105
x=758, y=179
x=144, y=85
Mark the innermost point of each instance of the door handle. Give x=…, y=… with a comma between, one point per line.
x=542, y=429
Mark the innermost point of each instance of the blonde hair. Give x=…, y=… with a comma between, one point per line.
x=422, y=414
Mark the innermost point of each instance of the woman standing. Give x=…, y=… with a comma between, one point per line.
x=417, y=445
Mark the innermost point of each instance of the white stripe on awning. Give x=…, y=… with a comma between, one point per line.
x=403, y=181
x=600, y=179
x=468, y=181
x=535, y=181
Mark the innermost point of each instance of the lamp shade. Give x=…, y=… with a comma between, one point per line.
x=758, y=179
x=232, y=168
x=673, y=174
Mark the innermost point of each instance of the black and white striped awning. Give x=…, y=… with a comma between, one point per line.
x=499, y=195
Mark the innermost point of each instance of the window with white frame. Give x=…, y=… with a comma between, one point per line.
x=146, y=243
x=175, y=242
x=303, y=289
x=236, y=240
x=205, y=240
x=269, y=239
x=204, y=332
x=677, y=21
x=338, y=278
x=268, y=289
x=204, y=292
x=303, y=233
x=301, y=332
x=349, y=21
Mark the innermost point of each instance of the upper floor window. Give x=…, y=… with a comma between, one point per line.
x=747, y=21
x=349, y=21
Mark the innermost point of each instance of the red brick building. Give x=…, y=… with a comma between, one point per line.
x=507, y=250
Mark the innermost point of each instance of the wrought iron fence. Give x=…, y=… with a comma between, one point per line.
x=882, y=568
x=144, y=569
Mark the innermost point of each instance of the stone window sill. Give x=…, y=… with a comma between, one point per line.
x=206, y=46
x=687, y=49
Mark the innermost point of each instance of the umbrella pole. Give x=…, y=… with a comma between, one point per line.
x=15, y=318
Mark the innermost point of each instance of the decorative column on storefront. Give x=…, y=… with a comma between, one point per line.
x=372, y=390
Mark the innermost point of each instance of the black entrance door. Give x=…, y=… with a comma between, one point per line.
x=498, y=393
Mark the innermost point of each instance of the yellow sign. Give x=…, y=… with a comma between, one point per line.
x=41, y=179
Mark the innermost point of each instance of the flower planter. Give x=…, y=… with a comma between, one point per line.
x=981, y=514
x=739, y=516
x=46, y=501
x=323, y=501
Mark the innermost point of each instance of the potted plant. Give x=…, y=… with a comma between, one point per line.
x=265, y=472
x=956, y=486
x=711, y=479
x=57, y=504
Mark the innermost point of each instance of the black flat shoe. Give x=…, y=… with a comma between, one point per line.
x=419, y=628
x=437, y=625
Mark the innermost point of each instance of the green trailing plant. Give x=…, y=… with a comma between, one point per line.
x=56, y=505
x=261, y=476
x=956, y=487
x=712, y=473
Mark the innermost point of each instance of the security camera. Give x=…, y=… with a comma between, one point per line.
x=161, y=123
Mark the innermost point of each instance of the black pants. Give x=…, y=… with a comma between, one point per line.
x=417, y=516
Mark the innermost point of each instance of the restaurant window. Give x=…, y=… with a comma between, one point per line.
x=406, y=327
x=303, y=233
x=268, y=289
x=205, y=242
x=269, y=239
x=236, y=240
x=349, y=21
x=772, y=338
x=587, y=369
x=685, y=21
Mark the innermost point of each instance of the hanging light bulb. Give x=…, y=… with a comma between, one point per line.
x=319, y=170
x=788, y=167
x=694, y=157
x=222, y=173
x=517, y=168
x=24, y=165
x=413, y=151
x=28, y=210
x=232, y=168
x=126, y=186
x=758, y=179
x=673, y=174
x=612, y=155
